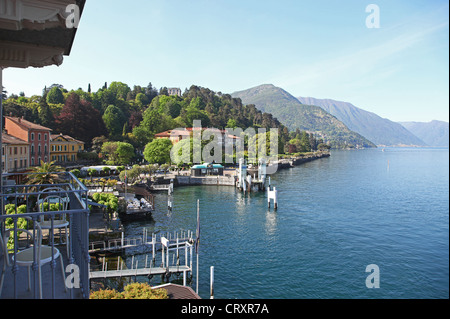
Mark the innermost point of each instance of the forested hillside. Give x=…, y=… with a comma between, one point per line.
x=295, y=115
x=117, y=112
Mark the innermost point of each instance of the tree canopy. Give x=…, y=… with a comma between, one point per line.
x=158, y=151
x=119, y=113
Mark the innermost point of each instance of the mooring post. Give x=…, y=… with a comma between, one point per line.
x=275, y=198
x=272, y=194
x=163, y=259
x=153, y=248
x=212, y=282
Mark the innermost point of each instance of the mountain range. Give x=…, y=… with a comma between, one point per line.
x=434, y=133
x=293, y=114
x=342, y=122
x=379, y=130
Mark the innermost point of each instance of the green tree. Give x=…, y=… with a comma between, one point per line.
x=193, y=114
x=45, y=174
x=158, y=151
x=118, y=152
x=231, y=123
x=114, y=121
x=172, y=108
x=154, y=122
x=142, y=100
x=45, y=114
x=55, y=96
x=304, y=142
x=125, y=153
x=182, y=152
x=119, y=90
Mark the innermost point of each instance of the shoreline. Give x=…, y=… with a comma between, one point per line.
x=229, y=176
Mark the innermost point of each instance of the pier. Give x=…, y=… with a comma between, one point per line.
x=247, y=182
x=176, y=255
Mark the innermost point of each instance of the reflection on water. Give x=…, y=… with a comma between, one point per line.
x=271, y=223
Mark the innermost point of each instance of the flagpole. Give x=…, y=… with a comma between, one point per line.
x=198, y=238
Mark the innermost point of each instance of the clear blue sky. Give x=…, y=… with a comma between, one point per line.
x=320, y=49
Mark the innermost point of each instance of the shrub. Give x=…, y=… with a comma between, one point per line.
x=10, y=209
x=105, y=294
x=143, y=291
x=131, y=291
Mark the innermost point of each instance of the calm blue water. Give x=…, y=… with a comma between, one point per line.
x=335, y=217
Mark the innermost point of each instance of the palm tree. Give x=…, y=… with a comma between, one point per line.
x=45, y=174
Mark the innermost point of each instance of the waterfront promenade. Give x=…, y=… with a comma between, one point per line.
x=184, y=178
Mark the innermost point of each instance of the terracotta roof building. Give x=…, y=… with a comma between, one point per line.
x=174, y=135
x=36, y=135
x=64, y=148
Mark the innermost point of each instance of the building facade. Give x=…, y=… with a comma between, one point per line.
x=64, y=148
x=174, y=91
x=174, y=135
x=15, y=154
x=37, y=136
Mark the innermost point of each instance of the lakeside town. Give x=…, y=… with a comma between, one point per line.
x=122, y=193
x=192, y=186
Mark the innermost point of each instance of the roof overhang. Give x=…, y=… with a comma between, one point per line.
x=33, y=33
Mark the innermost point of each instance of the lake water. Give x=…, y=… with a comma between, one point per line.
x=335, y=217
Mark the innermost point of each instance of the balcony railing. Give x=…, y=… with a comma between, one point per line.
x=21, y=204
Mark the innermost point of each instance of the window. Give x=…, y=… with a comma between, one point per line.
x=39, y=136
x=45, y=137
x=32, y=136
x=15, y=150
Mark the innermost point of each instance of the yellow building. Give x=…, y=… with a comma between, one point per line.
x=64, y=149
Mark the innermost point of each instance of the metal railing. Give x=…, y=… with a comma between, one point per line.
x=19, y=203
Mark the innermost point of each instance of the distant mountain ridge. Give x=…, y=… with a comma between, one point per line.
x=434, y=133
x=293, y=114
x=379, y=130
